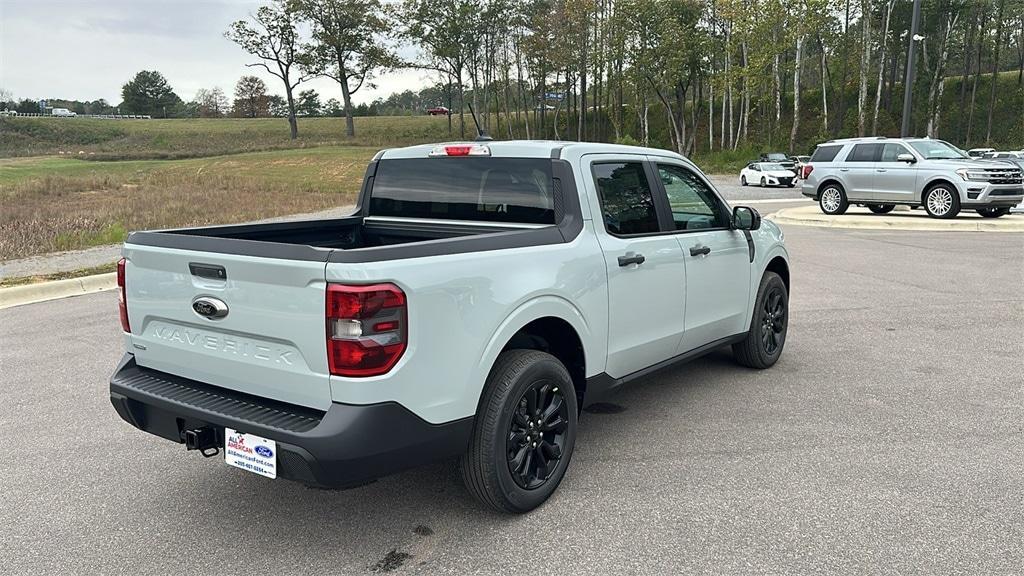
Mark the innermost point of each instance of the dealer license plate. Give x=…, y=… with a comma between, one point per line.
x=250, y=452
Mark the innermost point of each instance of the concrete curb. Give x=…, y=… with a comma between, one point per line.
x=43, y=291
x=811, y=216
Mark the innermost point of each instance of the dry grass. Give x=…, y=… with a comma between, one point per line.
x=53, y=204
x=22, y=280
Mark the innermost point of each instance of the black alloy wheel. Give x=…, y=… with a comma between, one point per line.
x=773, y=320
x=536, y=436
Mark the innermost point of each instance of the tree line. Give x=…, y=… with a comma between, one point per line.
x=691, y=75
x=717, y=73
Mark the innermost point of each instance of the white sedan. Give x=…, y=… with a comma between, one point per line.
x=767, y=174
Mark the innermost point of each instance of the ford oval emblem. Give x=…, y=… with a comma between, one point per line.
x=209, y=307
x=264, y=451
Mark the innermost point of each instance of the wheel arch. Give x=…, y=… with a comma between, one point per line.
x=937, y=180
x=828, y=181
x=550, y=324
x=780, y=266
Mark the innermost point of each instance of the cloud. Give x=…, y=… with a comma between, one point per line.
x=89, y=49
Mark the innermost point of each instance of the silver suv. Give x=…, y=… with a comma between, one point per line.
x=880, y=173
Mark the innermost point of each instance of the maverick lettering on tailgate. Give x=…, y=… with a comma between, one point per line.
x=225, y=344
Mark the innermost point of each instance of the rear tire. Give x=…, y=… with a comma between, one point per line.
x=942, y=201
x=768, y=325
x=510, y=465
x=832, y=200
x=881, y=208
x=992, y=212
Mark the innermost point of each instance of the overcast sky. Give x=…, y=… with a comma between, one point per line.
x=87, y=49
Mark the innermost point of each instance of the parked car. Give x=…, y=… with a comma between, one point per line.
x=978, y=152
x=767, y=174
x=881, y=173
x=62, y=112
x=544, y=107
x=438, y=111
x=799, y=163
x=1003, y=156
x=480, y=296
x=779, y=158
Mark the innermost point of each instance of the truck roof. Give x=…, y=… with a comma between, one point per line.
x=529, y=149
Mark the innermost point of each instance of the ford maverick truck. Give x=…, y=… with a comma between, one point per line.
x=482, y=294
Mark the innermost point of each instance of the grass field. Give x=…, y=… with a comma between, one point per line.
x=54, y=203
x=98, y=139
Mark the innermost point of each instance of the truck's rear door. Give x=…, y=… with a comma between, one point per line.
x=251, y=324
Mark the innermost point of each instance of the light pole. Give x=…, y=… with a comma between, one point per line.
x=908, y=84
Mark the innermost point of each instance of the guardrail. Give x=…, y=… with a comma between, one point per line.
x=4, y=113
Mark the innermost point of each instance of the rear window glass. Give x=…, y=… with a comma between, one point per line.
x=865, y=153
x=825, y=153
x=485, y=189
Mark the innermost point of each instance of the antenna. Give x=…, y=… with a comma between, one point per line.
x=481, y=134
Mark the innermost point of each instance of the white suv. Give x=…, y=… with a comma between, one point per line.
x=880, y=173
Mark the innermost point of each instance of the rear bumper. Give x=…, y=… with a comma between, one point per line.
x=345, y=446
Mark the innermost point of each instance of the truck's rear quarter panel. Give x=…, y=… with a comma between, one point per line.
x=458, y=303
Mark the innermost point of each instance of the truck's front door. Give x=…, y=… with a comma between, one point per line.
x=717, y=258
x=646, y=269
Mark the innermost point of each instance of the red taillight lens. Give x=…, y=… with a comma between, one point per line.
x=366, y=328
x=806, y=171
x=457, y=150
x=122, y=301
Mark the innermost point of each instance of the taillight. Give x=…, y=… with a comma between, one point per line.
x=366, y=328
x=806, y=171
x=122, y=301
x=461, y=150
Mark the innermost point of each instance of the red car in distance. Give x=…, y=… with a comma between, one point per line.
x=438, y=111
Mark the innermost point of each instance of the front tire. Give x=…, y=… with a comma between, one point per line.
x=768, y=325
x=524, y=433
x=942, y=201
x=881, y=208
x=993, y=212
x=763, y=182
x=743, y=180
x=832, y=200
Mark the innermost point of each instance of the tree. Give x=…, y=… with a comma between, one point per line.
x=211, y=103
x=333, y=108
x=309, y=103
x=251, y=99
x=348, y=44
x=272, y=37
x=149, y=93
x=278, y=106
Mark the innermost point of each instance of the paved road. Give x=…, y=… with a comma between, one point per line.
x=889, y=439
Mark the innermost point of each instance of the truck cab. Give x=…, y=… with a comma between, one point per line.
x=479, y=297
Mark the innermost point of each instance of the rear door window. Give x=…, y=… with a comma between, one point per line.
x=627, y=203
x=825, y=153
x=865, y=153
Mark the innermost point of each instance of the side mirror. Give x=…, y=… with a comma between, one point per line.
x=745, y=218
x=908, y=158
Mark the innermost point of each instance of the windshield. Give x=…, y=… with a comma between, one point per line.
x=464, y=188
x=772, y=166
x=776, y=156
x=937, y=150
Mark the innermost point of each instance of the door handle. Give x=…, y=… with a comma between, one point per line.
x=700, y=250
x=631, y=258
x=844, y=169
x=881, y=170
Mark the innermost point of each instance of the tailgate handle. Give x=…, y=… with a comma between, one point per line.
x=211, y=271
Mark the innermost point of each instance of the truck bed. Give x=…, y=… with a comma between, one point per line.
x=354, y=238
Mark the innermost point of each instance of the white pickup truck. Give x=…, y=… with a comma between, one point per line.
x=480, y=297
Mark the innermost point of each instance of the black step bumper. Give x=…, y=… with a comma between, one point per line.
x=345, y=446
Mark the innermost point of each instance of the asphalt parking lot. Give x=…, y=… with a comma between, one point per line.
x=889, y=439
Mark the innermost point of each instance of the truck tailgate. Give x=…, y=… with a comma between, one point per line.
x=271, y=342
